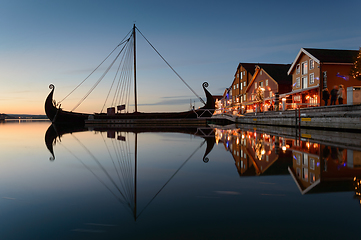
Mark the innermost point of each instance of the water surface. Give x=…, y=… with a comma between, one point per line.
x=252, y=184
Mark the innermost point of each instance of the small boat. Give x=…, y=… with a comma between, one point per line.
x=57, y=115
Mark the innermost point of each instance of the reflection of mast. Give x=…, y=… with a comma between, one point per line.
x=135, y=175
x=121, y=159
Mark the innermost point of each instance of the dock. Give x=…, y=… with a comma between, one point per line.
x=335, y=117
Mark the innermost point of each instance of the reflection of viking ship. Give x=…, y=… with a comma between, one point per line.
x=121, y=93
x=126, y=169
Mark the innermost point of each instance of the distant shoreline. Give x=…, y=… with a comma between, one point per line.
x=22, y=116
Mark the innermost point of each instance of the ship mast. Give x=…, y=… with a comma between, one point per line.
x=135, y=72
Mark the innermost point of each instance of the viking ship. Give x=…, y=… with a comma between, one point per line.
x=57, y=115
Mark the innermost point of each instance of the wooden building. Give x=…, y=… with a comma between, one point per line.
x=270, y=79
x=316, y=69
x=242, y=78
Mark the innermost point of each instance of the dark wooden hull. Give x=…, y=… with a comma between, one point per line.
x=59, y=116
x=57, y=131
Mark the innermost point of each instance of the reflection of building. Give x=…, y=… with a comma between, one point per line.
x=319, y=168
x=254, y=153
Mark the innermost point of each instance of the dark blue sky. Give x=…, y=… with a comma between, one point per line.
x=59, y=42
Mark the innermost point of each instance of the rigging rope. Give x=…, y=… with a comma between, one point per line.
x=99, y=80
x=121, y=43
x=171, y=177
x=171, y=67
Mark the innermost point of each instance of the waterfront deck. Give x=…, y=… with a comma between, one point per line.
x=345, y=117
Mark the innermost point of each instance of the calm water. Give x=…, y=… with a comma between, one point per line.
x=252, y=184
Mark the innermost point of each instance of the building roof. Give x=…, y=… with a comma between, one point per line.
x=333, y=55
x=327, y=56
x=277, y=72
x=250, y=67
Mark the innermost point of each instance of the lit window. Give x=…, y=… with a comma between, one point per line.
x=261, y=84
x=244, y=97
x=270, y=94
x=312, y=78
x=234, y=86
x=312, y=64
x=244, y=84
x=304, y=68
x=266, y=82
x=298, y=69
x=305, y=174
x=255, y=85
x=240, y=75
x=241, y=86
x=237, y=85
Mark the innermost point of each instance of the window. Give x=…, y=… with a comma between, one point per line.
x=297, y=157
x=312, y=78
x=240, y=75
x=305, y=174
x=244, y=97
x=298, y=69
x=298, y=173
x=312, y=64
x=266, y=82
x=241, y=86
x=298, y=82
x=244, y=73
x=234, y=86
x=244, y=84
x=261, y=84
x=304, y=82
x=304, y=68
x=312, y=163
x=255, y=85
x=237, y=85
x=270, y=94
x=312, y=177
x=305, y=159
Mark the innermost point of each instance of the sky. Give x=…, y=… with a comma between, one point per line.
x=62, y=41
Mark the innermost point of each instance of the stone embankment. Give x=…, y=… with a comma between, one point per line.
x=339, y=117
